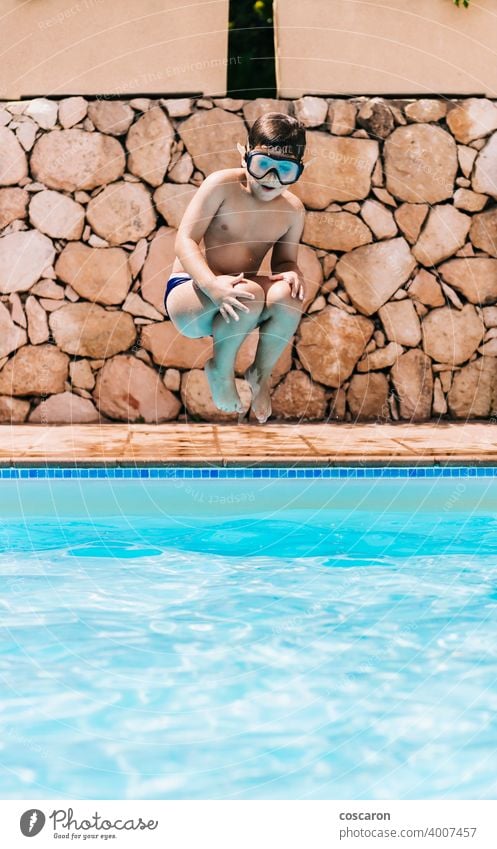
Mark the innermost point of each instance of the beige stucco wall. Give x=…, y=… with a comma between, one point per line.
x=57, y=47
x=392, y=47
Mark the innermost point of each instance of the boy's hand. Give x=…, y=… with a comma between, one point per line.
x=222, y=293
x=294, y=280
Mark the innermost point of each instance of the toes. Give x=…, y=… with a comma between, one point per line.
x=232, y=404
x=262, y=413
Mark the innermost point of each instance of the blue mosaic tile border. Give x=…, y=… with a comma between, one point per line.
x=260, y=472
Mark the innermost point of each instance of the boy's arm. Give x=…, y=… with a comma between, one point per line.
x=195, y=221
x=285, y=250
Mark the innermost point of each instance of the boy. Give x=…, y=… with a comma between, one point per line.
x=241, y=213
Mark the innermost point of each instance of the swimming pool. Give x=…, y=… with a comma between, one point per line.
x=248, y=633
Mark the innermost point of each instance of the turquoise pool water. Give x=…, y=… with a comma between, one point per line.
x=271, y=639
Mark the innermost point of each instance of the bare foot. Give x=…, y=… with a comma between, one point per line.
x=223, y=389
x=261, y=398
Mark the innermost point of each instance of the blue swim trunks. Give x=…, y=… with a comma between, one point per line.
x=175, y=280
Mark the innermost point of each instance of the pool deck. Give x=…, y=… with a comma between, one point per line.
x=203, y=444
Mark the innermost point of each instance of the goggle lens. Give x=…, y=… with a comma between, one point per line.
x=258, y=164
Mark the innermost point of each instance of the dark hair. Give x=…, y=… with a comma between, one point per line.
x=277, y=130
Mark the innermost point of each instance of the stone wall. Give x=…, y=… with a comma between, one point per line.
x=399, y=253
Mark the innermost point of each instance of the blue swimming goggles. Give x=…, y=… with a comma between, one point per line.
x=259, y=164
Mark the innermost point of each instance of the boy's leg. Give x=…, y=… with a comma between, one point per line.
x=194, y=315
x=281, y=316
x=190, y=310
x=227, y=338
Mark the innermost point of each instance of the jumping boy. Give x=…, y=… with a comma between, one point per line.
x=241, y=213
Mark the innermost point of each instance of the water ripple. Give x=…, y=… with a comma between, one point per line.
x=343, y=656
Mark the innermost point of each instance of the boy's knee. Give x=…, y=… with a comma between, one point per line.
x=255, y=304
x=254, y=287
x=280, y=296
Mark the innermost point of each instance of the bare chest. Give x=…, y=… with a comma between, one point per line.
x=235, y=224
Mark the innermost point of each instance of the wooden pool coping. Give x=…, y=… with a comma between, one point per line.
x=278, y=444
